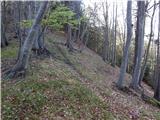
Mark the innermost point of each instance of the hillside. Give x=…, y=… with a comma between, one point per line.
x=69, y=86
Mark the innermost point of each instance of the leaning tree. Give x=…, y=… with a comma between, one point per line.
x=21, y=66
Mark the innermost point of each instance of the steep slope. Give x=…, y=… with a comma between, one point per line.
x=70, y=85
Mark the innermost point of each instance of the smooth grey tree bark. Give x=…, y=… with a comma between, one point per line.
x=21, y=66
x=157, y=89
x=4, y=41
x=17, y=25
x=148, y=47
x=38, y=45
x=157, y=76
x=140, y=37
x=126, y=49
x=115, y=37
x=135, y=45
x=69, y=38
x=106, y=37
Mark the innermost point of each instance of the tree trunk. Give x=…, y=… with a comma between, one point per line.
x=22, y=63
x=128, y=42
x=39, y=46
x=106, y=39
x=4, y=41
x=18, y=29
x=140, y=37
x=115, y=37
x=136, y=44
x=148, y=48
x=157, y=88
x=69, y=38
x=157, y=76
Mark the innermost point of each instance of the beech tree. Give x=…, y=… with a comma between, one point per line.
x=148, y=47
x=69, y=41
x=22, y=63
x=128, y=42
x=17, y=16
x=140, y=39
x=4, y=41
x=106, y=36
x=157, y=73
x=114, y=36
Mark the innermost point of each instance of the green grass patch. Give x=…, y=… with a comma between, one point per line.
x=28, y=98
x=50, y=90
x=74, y=100
x=10, y=51
x=23, y=100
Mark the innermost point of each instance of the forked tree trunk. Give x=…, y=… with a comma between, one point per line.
x=126, y=49
x=140, y=37
x=148, y=48
x=22, y=63
x=39, y=46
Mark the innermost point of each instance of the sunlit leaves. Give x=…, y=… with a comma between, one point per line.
x=61, y=16
x=26, y=23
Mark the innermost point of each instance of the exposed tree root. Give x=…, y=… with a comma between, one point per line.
x=150, y=100
x=14, y=73
x=42, y=51
x=139, y=92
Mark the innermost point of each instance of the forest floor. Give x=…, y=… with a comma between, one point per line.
x=69, y=86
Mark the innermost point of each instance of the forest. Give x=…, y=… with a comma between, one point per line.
x=80, y=60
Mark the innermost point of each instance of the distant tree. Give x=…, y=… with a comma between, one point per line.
x=69, y=42
x=114, y=36
x=75, y=6
x=126, y=49
x=62, y=18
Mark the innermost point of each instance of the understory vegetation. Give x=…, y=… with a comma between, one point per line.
x=73, y=61
x=59, y=87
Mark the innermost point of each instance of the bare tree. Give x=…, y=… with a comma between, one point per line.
x=128, y=42
x=4, y=41
x=106, y=37
x=18, y=6
x=69, y=41
x=140, y=38
x=148, y=47
x=157, y=76
x=115, y=37
x=22, y=63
